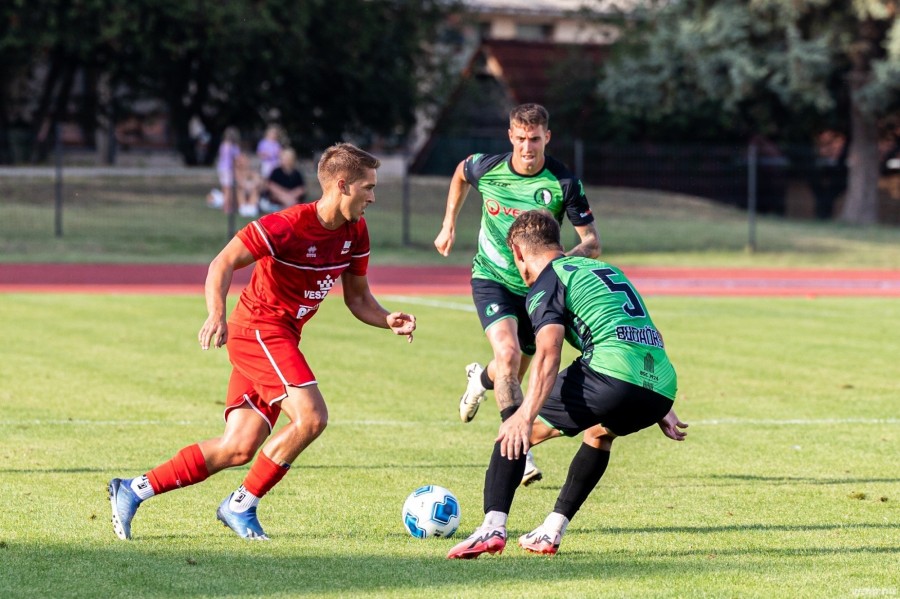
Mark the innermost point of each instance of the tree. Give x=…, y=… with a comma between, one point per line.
x=874, y=80
x=788, y=69
x=325, y=69
x=44, y=45
x=367, y=74
x=207, y=60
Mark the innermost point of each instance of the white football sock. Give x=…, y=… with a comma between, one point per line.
x=495, y=519
x=141, y=487
x=242, y=500
x=556, y=522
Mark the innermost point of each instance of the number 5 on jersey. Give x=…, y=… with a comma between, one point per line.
x=633, y=306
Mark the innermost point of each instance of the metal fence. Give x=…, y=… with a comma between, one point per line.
x=719, y=172
x=159, y=213
x=143, y=213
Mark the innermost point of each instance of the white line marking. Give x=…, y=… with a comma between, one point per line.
x=83, y=422
x=706, y=422
x=794, y=421
x=421, y=301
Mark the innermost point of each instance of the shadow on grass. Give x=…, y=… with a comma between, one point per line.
x=285, y=567
x=271, y=569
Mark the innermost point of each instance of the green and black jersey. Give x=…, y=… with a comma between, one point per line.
x=605, y=319
x=507, y=194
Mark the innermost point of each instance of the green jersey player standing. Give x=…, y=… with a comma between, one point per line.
x=510, y=184
x=622, y=383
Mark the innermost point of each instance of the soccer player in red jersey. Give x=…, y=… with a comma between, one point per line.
x=299, y=253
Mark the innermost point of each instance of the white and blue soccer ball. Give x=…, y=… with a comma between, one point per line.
x=431, y=511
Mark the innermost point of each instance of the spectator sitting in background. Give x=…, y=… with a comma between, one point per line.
x=268, y=151
x=285, y=186
x=248, y=184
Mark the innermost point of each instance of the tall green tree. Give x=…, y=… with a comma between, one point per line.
x=325, y=69
x=787, y=69
x=367, y=70
x=215, y=61
x=44, y=46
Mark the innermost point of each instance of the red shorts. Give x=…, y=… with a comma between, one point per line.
x=264, y=364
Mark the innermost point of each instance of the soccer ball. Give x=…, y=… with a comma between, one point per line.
x=431, y=511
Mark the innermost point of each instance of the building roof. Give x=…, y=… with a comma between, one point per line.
x=553, y=7
x=502, y=74
x=527, y=69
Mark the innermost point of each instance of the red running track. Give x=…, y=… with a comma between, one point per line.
x=454, y=280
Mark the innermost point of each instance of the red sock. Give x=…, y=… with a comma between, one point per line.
x=187, y=468
x=263, y=475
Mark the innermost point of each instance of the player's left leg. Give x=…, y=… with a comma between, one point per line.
x=585, y=472
x=306, y=408
x=308, y=413
x=581, y=400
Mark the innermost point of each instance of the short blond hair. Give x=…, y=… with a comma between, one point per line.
x=345, y=161
x=529, y=114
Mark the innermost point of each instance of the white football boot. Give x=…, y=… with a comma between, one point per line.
x=542, y=540
x=532, y=473
x=474, y=395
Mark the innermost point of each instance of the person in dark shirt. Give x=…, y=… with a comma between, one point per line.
x=285, y=186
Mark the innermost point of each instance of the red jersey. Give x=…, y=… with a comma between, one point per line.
x=297, y=263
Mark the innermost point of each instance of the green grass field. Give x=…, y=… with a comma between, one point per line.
x=788, y=484
x=165, y=219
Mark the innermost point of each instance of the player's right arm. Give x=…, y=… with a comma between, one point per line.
x=233, y=256
x=546, y=305
x=456, y=196
x=515, y=433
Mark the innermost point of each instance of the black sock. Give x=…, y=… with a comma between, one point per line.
x=505, y=413
x=585, y=472
x=486, y=381
x=500, y=481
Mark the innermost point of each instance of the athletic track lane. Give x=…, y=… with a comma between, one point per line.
x=454, y=280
